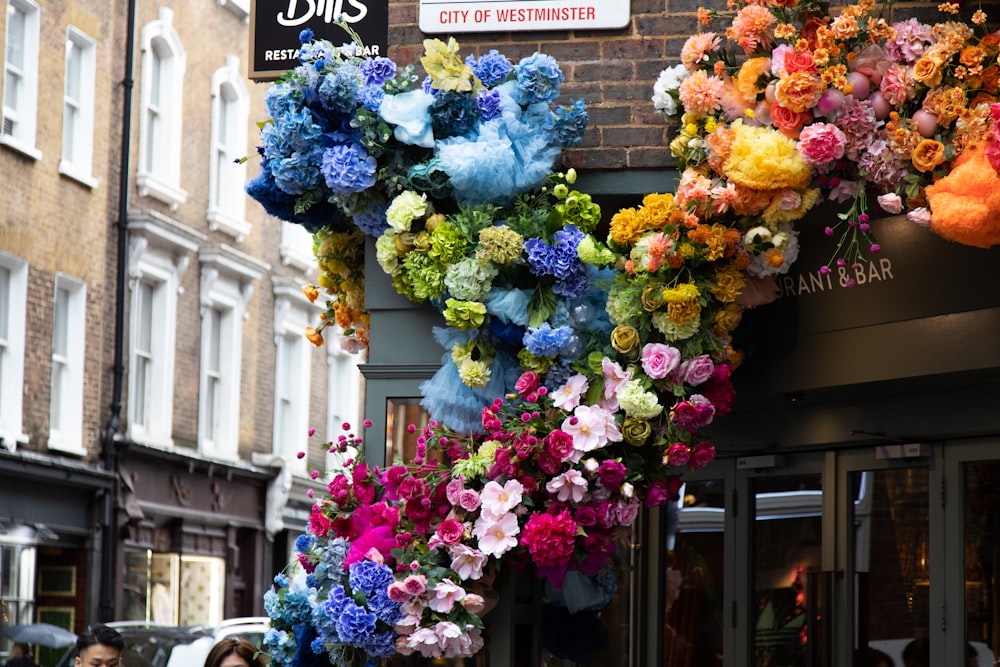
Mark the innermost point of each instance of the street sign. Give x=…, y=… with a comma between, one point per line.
x=458, y=16
x=275, y=26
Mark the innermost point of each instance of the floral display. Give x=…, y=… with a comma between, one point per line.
x=786, y=104
x=405, y=560
x=584, y=355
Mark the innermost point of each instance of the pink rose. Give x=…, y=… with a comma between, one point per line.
x=319, y=525
x=683, y=414
x=659, y=359
x=415, y=584
x=698, y=370
x=789, y=200
x=920, y=216
x=611, y=473
x=821, y=143
x=397, y=592
x=678, y=454
x=559, y=443
x=469, y=500
x=454, y=489
x=704, y=453
x=527, y=383
x=450, y=531
x=890, y=203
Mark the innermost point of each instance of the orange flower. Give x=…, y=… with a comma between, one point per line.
x=311, y=292
x=788, y=121
x=799, y=91
x=719, y=144
x=748, y=81
x=965, y=204
x=971, y=56
x=928, y=154
x=314, y=337
x=928, y=72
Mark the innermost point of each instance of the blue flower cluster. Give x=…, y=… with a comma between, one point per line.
x=490, y=68
x=559, y=260
x=362, y=618
x=546, y=341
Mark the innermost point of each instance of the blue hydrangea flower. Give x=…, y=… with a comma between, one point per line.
x=348, y=168
x=564, y=254
x=570, y=124
x=281, y=99
x=488, y=103
x=572, y=284
x=428, y=86
x=299, y=129
x=544, y=341
x=538, y=79
x=453, y=114
x=296, y=173
x=539, y=256
x=371, y=97
x=491, y=68
x=355, y=626
x=306, y=36
x=377, y=70
x=303, y=542
x=373, y=221
x=370, y=577
x=381, y=645
x=340, y=88
x=281, y=646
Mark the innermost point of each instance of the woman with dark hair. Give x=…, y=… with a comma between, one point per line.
x=232, y=652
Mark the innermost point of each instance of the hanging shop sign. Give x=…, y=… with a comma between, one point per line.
x=275, y=26
x=453, y=16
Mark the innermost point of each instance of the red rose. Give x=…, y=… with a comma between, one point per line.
x=450, y=531
x=704, y=453
x=527, y=383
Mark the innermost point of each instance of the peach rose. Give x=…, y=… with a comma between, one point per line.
x=927, y=71
x=799, y=91
x=928, y=154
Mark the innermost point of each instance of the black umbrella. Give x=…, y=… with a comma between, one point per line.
x=44, y=634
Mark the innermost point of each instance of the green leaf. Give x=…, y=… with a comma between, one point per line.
x=541, y=306
x=595, y=391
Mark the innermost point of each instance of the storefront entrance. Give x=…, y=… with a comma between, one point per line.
x=882, y=556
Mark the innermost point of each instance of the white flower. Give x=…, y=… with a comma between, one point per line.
x=570, y=485
x=568, y=396
x=497, y=500
x=497, y=536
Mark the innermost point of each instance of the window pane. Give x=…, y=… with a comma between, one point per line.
x=221, y=132
x=981, y=507
x=11, y=88
x=16, y=28
x=155, y=78
x=74, y=64
x=692, y=633
x=71, y=118
x=152, y=137
x=212, y=387
x=786, y=546
x=214, y=339
x=58, y=391
x=145, y=338
x=141, y=369
x=4, y=302
x=61, y=323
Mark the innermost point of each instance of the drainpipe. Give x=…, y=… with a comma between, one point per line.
x=110, y=454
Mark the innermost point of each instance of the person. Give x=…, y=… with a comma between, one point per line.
x=233, y=652
x=99, y=646
x=20, y=656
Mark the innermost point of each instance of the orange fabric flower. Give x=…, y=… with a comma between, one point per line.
x=965, y=204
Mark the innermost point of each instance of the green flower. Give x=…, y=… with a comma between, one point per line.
x=530, y=362
x=579, y=209
x=470, y=279
x=500, y=245
x=425, y=275
x=674, y=332
x=447, y=244
x=404, y=209
x=636, y=431
x=385, y=252
x=637, y=402
x=474, y=373
x=464, y=314
x=477, y=464
x=593, y=252
x=445, y=66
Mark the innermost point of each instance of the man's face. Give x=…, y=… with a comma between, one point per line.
x=99, y=655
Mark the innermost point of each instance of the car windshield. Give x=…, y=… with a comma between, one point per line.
x=149, y=646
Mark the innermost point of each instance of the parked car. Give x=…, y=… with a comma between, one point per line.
x=154, y=645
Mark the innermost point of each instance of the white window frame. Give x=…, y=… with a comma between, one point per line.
x=160, y=250
x=296, y=247
x=158, y=173
x=78, y=125
x=23, y=118
x=12, y=352
x=345, y=399
x=66, y=399
x=239, y=8
x=292, y=314
x=227, y=173
x=227, y=278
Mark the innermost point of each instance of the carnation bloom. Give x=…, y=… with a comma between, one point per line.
x=549, y=538
x=701, y=94
x=821, y=143
x=695, y=51
x=751, y=27
x=496, y=536
x=762, y=159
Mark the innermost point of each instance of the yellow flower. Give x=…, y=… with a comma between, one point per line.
x=311, y=292
x=680, y=313
x=728, y=285
x=445, y=66
x=761, y=158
